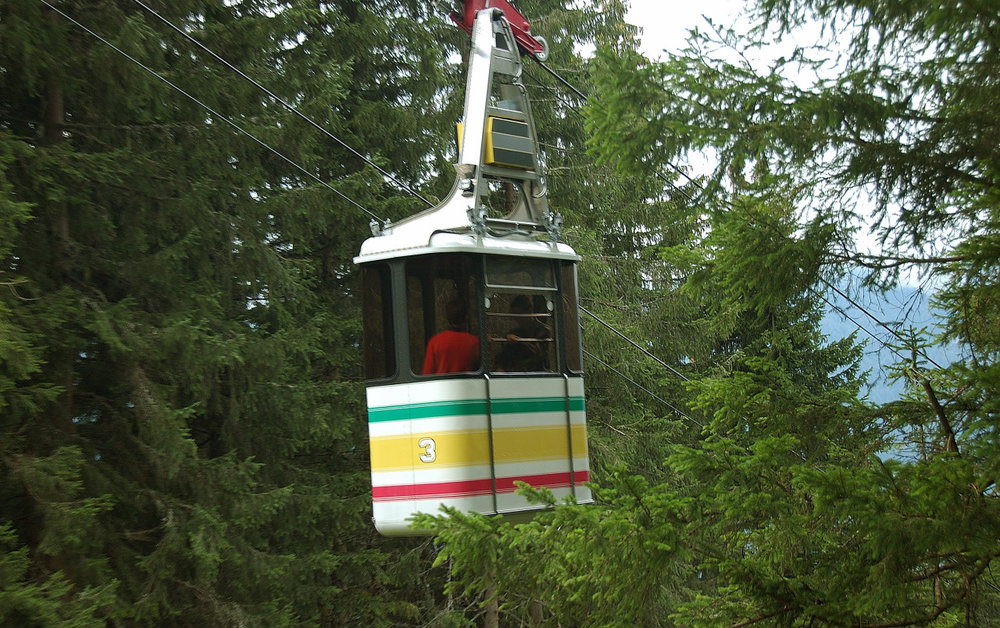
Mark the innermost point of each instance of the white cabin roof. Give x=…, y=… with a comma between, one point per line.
x=393, y=245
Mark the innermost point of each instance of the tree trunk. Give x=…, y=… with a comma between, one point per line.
x=53, y=118
x=492, y=617
x=535, y=612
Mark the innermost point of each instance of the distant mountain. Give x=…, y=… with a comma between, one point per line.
x=901, y=309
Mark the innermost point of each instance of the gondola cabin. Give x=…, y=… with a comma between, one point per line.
x=471, y=332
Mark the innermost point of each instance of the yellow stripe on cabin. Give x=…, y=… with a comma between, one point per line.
x=471, y=447
x=521, y=444
x=449, y=449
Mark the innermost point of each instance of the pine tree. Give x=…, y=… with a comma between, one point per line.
x=182, y=437
x=891, y=140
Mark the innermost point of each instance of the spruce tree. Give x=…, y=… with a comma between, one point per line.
x=801, y=504
x=183, y=440
x=804, y=505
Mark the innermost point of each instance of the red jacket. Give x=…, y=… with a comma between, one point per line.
x=451, y=352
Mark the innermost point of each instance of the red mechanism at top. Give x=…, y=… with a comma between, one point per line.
x=519, y=25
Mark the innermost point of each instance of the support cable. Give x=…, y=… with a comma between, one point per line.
x=216, y=113
x=701, y=187
x=635, y=344
x=892, y=331
x=284, y=104
x=306, y=172
x=572, y=108
x=401, y=184
x=641, y=387
x=585, y=98
x=338, y=140
x=562, y=80
x=847, y=316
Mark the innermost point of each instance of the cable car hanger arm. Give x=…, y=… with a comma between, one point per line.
x=528, y=44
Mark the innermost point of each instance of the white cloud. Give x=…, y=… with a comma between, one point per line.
x=665, y=23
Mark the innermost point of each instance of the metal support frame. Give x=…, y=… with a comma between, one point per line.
x=493, y=91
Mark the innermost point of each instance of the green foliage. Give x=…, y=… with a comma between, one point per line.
x=570, y=562
x=52, y=602
x=797, y=504
x=180, y=441
x=179, y=394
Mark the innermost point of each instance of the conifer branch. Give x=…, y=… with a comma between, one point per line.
x=881, y=262
x=761, y=618
x=949, y=443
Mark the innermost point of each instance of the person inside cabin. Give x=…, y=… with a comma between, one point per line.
x=453, y=350
x=525, y=345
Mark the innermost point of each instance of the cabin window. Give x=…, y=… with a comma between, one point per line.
x=440, y=298
x=379, y=348
x=520, y=306
x=511, y=314
x=571, y=317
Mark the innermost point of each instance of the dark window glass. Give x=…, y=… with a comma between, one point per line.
x=571, y=317
x=442, y=319
x=379, y=348
x=520, y=321
x=519, y=272
x=521, y=333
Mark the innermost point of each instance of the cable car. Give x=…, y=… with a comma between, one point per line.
x=471, y=332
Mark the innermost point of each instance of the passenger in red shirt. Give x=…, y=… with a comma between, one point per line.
x=452, y=350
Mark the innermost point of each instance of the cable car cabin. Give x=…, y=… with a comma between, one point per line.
x=505, y=405
x=471, y=331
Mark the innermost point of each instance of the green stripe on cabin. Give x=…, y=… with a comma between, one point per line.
x=436, y=409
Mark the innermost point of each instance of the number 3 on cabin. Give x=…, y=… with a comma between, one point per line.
x=427, y=444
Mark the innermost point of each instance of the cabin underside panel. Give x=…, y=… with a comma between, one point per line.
x=467, y=443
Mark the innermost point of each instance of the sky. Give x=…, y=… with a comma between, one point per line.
x=665, y=23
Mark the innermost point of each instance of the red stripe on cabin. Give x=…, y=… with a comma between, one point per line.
x=438, y=489
x=473, y=488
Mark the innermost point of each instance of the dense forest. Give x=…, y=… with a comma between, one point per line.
x=183, y=438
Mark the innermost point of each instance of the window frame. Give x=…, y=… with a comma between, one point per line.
x=401, y=345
